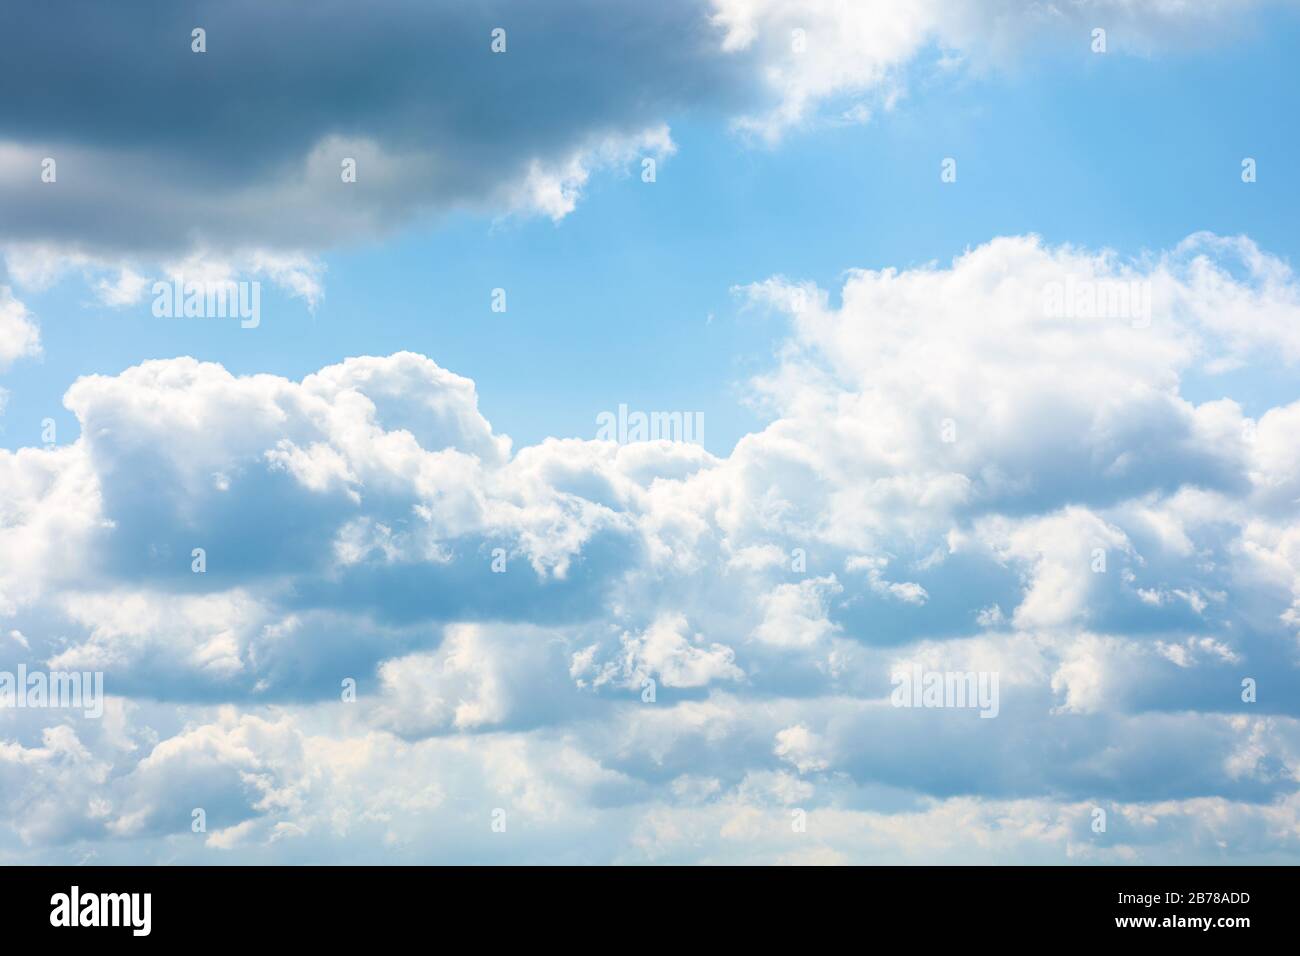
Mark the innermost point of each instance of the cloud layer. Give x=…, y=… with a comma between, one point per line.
x=646, y=652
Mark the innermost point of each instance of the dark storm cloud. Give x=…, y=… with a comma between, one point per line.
x=160, y=147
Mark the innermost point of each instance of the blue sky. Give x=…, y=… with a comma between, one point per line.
x=922, y=466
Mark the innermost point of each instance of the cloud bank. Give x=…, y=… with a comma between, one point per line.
x=644, y=652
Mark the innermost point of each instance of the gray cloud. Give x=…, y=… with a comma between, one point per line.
x=159, y=148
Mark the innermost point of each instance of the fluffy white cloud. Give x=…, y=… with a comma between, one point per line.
x=960, y=473
x=19, y=337
x=666, y=652
x=854, y=56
